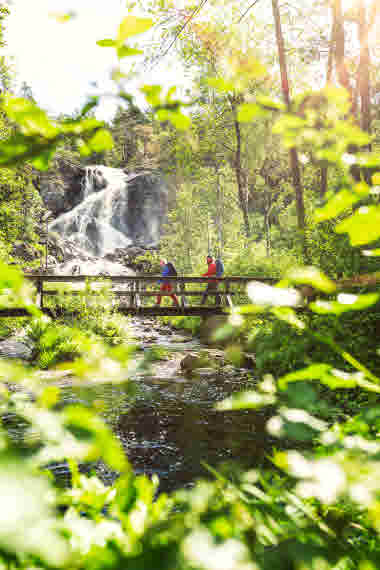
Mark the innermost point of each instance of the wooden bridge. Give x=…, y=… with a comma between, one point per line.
x=136, y=295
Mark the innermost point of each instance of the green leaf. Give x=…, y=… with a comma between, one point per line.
x=92, y=429
x=30, y=118
x=220, y=84
x=126, y=51
x=344, y=304
x=179, y=120
x=249, y=111
x=326, y=374
x=132, y=26
x=289, y=316
x=91, y=103
x=101, y=141
x=270, y=104
x=28, y=525
x=336, y=205
x=152, y=94
x=246, y=400
x=106, y=43
x=312, y=276
x=42, y=161
x=49, y=397
x=363, y=226
x=313, y=372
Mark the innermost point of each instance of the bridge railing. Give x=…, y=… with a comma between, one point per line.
x=138, y=290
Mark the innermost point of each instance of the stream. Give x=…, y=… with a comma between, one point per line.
x=165, y=420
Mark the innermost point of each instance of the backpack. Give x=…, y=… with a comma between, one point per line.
x=172, y=270
x=219, y=268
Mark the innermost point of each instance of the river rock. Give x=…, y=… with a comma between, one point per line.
x=249, y=360
x=192, y=361
x=230, y=370
x=205, y=372
x=15, y=349
x=180, y=339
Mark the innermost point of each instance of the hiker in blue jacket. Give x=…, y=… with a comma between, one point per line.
x=167, y=270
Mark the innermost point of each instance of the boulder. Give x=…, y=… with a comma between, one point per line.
x=180, y=339
x=248, y=360
x=192, y=361
x=230, y=370
x=205, y=372
x=15, y=349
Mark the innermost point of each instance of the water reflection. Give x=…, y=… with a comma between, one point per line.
x=169, y=427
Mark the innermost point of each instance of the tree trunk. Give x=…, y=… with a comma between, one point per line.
x=294, y=162
x=330, y=65
x=219, y=205
x=363, y=71
x=240, y=178
x=268, y=244
x=342, y=72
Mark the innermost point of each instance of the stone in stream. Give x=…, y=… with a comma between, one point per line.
x=192, y=361
x=180, y=339
x=204, y=359
x=230, y=370
x=16, y=349
x=249, y=360
x=205, y=372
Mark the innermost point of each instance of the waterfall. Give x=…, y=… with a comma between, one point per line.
x=99, y=223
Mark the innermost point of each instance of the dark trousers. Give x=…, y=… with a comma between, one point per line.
x=211, y=287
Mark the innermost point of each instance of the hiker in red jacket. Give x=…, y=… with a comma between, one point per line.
x=212, y=284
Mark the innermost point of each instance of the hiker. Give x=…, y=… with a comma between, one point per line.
x=219, y=267
x=212, y=285
x=167, y=270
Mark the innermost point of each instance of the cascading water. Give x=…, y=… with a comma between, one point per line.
x=99, y=224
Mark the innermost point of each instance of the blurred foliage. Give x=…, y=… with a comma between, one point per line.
x=315, y=505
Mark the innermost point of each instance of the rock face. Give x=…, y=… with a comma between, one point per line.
x=24, y=251
x=147, y=208
x=115, y=211
x=61, y=188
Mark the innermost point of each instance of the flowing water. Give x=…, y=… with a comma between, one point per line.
x=166, y=421
x=92, y=225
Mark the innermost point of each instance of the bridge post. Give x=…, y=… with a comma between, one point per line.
x=40, y=293
x=132, y=296
x=228, y=296
x=137, y=296
x=182, y=288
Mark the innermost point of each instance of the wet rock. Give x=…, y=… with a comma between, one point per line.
x=248, y=360
x=61, y=186
x=230, y=370
x=24, y=251
x=16, y=349
x=55, y=375
x=215, y=355
x=192, y=361
x=205, y=372
x=180, y=339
